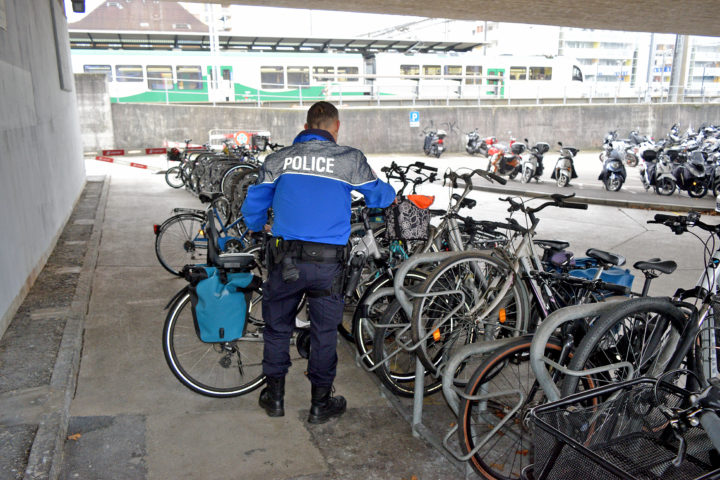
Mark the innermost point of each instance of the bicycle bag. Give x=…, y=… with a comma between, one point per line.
x=406, y=221
x=220, y=302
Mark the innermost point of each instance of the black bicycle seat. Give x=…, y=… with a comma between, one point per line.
x=551, y=244
x=209, y=197
x=606, y=257
x=667, y=266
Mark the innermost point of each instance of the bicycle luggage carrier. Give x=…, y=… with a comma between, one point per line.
x=617, y=432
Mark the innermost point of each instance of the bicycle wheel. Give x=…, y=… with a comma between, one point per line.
x=363, y=332
x=505, y=373
x=398, y=372
x=225, y=369
x=174, y=177
x=472, y=282
x=642, y=332
x=181, y=241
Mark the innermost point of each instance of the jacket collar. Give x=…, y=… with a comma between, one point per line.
x=313, y=134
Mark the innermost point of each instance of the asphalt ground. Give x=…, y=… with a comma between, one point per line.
x=85, y=391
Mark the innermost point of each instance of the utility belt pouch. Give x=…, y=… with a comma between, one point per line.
x=321, y=253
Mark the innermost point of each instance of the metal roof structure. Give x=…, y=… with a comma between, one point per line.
x=134, y=40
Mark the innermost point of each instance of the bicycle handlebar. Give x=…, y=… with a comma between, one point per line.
x=466, y=177
x=680, y=223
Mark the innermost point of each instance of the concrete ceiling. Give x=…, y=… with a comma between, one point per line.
x=692, y=17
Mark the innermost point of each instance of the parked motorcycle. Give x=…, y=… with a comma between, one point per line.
x=691, y=175
x=656, y=171
x=564, y=170
x=475, y=145
x=531, y=166
x=507, y=162
x=613, y=173
x=434, y=144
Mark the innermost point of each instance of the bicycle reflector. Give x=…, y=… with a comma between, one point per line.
x=156, y=228
x=502, y=315
x=436, y=335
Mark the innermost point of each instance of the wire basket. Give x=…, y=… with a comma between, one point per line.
x=618, y=432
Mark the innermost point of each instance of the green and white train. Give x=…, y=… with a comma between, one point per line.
x=171, y=77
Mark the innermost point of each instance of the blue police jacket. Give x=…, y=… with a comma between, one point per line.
x=308, y=186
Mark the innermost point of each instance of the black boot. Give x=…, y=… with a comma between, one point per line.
x=324, y=406
x=271, y=397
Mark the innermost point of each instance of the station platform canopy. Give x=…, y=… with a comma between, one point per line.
x=201, y=41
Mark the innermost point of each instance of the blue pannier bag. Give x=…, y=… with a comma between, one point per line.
x=220, y=302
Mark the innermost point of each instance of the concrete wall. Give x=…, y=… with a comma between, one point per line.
x=387, y=130
x=93, y=104
x=41, y=166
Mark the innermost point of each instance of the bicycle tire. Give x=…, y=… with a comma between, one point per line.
x=502, y=370
x=177, y=243
x=363, y=333
x=634, y=331
x=174, y=177
x=467, y=272
x=398, y=373
x=211, y=369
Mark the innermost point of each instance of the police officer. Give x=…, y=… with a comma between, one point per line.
x=308, y=187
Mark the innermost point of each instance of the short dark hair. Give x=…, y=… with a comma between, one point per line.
x=321, y=114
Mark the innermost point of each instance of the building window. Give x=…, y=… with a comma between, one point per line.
x=298, y=76
x=409, y=69
x=347, y=71
x=452, y=70
x=189, y=77
x=540, y=73
x=473, y=75
x=518, y=73
x=431, y=70
x=129, y=73
x=106, y=69
x=577, y=74
x=323, y=74
x=159, y=77
x=272, y=77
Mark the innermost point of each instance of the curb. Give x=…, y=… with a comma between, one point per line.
x=46, y=454
x=643, y=205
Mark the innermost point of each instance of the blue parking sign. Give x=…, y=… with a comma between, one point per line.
x=415, y=119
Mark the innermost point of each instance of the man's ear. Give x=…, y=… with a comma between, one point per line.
x=306, y=126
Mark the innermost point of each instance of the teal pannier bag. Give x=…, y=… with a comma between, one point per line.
x=220, y=302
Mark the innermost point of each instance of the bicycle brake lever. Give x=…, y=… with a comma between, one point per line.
x=682, y=449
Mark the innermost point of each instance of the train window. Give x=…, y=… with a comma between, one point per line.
x=452, y=70
x=189, y=77
x=577, y=74
x=409, y=69
x=159, y=77
x=347, y=71
x=540, y=73
x=128, y=73
x=226, y=73
x=298, y=76
x=106, y=69
x=272, y=77
x=473, y=75
x=323, y=74
x=518, y=73
x=431, y=70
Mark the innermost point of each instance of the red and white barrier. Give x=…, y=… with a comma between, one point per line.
x=107, y=159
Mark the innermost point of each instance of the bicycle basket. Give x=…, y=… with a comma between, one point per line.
x=406, y=221
x=220, y=302
x=618, y=432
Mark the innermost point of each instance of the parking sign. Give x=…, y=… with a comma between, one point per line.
x=415, y=119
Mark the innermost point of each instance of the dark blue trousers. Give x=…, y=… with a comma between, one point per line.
x=280, y=303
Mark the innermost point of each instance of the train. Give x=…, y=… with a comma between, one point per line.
x=259, y=77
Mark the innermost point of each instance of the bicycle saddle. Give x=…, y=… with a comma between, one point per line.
x=551, y=244
x=667, y=266
x=209, y=197
x=606, y=257
x=466, y=202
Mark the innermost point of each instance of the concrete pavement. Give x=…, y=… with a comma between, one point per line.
x=129, y=418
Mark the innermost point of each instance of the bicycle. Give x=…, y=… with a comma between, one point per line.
x=182, y=238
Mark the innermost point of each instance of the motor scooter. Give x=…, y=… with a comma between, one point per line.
x=613, y=173
x=507, y=162
x=531, y=166
x=564, y=170
x=475, y=145
x=434, y=144
x=656, y=171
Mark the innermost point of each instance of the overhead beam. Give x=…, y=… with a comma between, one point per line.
x=691, y=17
